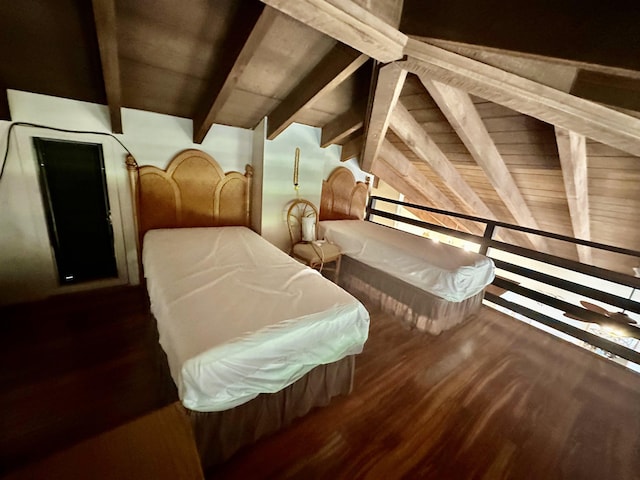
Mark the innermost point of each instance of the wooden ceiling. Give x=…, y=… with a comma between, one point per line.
x=479, y=111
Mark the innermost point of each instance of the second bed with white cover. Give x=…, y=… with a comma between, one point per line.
x=439, y=286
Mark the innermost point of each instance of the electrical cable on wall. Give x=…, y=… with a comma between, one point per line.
x=56, y=129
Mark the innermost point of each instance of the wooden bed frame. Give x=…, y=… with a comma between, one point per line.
x=345, y=199
x=194, y=191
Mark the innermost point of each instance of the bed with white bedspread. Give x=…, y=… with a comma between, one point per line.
x=432, y=286
x=237, y=317
x=252, y=339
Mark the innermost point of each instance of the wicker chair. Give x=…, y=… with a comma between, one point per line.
x=316, y=254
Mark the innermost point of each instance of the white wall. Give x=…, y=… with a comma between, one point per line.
x=259, y=134
x=278, y=190
x=27, y=267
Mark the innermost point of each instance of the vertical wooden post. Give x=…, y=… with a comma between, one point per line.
x=488, y=235
x=248, y=172
x=132, y=169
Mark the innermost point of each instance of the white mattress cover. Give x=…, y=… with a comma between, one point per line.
x=238, y=317
x=443, y=270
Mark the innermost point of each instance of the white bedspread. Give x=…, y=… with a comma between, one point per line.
x=443, y=270
x=238, y=317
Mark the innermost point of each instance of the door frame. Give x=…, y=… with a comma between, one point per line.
x=119, y=200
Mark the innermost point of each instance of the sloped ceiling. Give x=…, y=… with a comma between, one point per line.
x=442, y=140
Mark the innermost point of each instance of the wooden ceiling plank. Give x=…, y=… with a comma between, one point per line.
x=104, y=13
x=390, y=80
x=582, y=116
x=412, y=195
x=342, y=126
x=229, y=75
x=414, y=136
x=351, y=149
x=417, y=181
x=572, y=150
x=349, y=23
x=338, y=65
x=461, y=113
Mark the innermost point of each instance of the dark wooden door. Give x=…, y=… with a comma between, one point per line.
x=74, y=192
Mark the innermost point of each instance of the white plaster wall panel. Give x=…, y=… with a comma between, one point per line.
x=27, y=267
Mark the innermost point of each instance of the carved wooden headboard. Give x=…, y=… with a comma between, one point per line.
x=192, y=192
x=343, y=197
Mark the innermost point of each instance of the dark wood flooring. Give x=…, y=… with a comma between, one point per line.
x=490, y=399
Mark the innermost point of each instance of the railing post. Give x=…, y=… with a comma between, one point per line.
x=371, y=204
x=488, y=235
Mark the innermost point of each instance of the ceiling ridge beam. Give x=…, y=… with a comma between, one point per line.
x=342, y=126
x=470, y=50
x=389, y=83
x=349, y=23
x=525, y=96
x=416, y=179
x=104, y=14
x=338, y=65
x=413, y=135
x=572, y=151
x=463, y=116
x=257, y=23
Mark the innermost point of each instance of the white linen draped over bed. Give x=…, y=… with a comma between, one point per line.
x=238, y=317
x=442, y=270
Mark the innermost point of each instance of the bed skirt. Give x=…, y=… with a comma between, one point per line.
x=219, y=435
x=419, y=309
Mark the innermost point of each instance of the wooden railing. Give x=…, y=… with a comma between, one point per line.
x=492, y=248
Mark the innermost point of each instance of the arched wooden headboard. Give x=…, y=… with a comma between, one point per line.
x=192, y=192
x=342, y=197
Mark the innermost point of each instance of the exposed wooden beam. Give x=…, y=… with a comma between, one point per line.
x=104, y=13
x=572, y=150
x=338, y=65
x=414, y=179
x=525, y=96
x=555, y=72
x=342, y=126
x=351, y=149
x=390, y=80
x=349, y=23
x=414, y=136
x=247, y=35
x=463, y=116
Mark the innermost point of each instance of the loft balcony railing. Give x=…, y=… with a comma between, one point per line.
x=546, y=281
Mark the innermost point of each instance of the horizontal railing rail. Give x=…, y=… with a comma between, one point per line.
x=490, y=246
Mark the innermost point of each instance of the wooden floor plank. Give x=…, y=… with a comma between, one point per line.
x=492, y=398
